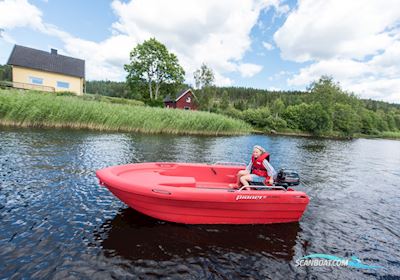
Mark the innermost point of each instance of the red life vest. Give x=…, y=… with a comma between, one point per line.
x=257, y=166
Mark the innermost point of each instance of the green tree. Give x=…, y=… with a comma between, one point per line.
x=345, y=119
x=277, y=107
x=150, y=62
x=5, y=72
x=203, y=77
x=257, y=117
x=308, y=117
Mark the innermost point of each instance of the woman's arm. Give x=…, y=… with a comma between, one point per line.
x=270, y=169
x=248, y=167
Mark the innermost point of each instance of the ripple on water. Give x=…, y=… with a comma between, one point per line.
x=58, y=223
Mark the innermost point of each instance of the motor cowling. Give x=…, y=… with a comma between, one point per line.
x=287, y=178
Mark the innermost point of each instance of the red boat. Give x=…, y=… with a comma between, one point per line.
x=194, y=193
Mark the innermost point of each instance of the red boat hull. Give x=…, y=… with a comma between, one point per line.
x=199, y=194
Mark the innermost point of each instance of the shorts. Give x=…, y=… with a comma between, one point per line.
x=257, y=179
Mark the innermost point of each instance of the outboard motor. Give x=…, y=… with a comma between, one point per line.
x=287, y=178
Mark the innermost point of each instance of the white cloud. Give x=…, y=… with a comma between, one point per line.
x=213, y=32
x=248, y=70
x=104, y=60
x=279, y=75
x=356, y=42
x=274, y=89
x=321, y=29
x=339, y=69
x=19, y=13
x=268, y=46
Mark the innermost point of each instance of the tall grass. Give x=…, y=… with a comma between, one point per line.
x=39, y=109
x=390, y=134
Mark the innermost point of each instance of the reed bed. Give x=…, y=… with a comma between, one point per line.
x=39, y=109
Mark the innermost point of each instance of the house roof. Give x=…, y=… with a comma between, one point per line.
x=47, y=61
x=168, y=98
x=178, y=96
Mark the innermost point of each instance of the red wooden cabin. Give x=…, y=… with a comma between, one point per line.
x=183, y=100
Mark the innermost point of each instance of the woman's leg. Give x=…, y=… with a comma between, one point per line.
x=240, y=174
x=245, y=180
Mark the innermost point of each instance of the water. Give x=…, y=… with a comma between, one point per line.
x=56, y=222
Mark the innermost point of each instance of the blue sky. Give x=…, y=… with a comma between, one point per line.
x=269, y=44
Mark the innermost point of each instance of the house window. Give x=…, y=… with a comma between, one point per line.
x=35, y=80
x=62, y=84
x=188, y=99
x=187, y=108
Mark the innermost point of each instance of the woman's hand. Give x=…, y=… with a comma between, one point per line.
x=271, y=181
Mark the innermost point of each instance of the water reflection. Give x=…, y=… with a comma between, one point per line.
x=132, y=235
x=56, y=222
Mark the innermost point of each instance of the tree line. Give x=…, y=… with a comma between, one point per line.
x=323, y=109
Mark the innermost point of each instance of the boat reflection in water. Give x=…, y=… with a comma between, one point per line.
x=134, y=236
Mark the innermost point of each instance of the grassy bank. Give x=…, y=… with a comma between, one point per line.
x=39, y=109
x=330, y=135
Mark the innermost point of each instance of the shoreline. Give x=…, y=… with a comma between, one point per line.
x=43, y=110
x=333, y=137
x=98, y=128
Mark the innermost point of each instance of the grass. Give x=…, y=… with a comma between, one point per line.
x=385, y=134
x=40, y=109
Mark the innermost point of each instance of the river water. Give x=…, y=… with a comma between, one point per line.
x=56, y=222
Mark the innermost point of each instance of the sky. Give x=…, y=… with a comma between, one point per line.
x=267, y=44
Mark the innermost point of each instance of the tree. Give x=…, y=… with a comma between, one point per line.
x=150, y=62
x=5, y=73
x=308, y=117
x=278, y=107
x=203, y=77
x=345, y=119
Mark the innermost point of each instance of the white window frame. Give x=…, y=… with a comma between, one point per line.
x=188, y=99
x=32, y=80
x=61, y=82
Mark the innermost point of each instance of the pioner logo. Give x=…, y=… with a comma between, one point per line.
x=249, y=197
x=329, y=260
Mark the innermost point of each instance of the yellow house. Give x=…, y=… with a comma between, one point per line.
x=47, y=71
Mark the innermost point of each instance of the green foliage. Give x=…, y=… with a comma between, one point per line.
x=257, y=117
x=203, y=77
x=278, y=107
x=110, y=88
x=345, y=119
x=65, y=93
x=39, y=109
x=151, y=63
x=276, y=123
x=324, y=109
x=308, y=117
x=369, y=122
x=5, y=73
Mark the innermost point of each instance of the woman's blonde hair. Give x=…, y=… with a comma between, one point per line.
x=259, y=148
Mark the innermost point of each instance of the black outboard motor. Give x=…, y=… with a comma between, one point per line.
x=287, y=178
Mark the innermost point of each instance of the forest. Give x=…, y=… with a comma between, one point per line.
x=323, y=109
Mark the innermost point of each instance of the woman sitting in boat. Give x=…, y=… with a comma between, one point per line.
x=259, y=169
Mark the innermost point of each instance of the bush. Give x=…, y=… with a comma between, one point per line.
x=275, y=123
x=308, y=117
x=345, y=119
x=257, y=117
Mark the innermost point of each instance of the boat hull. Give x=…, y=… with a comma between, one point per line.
x=183, y=202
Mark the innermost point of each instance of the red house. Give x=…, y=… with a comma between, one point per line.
x=183, y=100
